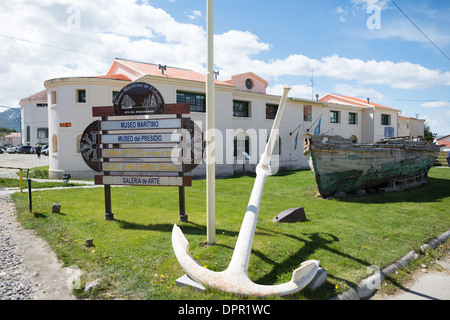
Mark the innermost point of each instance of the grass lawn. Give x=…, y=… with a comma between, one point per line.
x=133, y=255
x=15, y=183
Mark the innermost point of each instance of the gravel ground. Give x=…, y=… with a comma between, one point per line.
x=29, y=270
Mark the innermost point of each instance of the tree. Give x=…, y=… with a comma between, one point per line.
x=428, y=136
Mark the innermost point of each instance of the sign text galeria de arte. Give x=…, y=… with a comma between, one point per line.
x=141, y=147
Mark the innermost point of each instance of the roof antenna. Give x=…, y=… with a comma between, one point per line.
x=162, y=67
x=216, y=74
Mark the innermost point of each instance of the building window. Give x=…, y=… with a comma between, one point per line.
x=271, y=111
x=385, y=119
x=41, y=105
x=53, y=97
x=196, y=100
x=307, y=113
x=77, y=143
x=81, y=96
x=241, y=145
x=42, y=133
x=352, y=118
x=55, y=144
x=277, y=147
x=114, y=95
x=334, y=116
x=28, y=134
x=240, y=109
x=249, y=84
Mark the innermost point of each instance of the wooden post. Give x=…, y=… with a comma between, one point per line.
x=109, y=215
x=182, y=203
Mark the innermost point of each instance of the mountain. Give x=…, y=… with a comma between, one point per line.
x=10, y=119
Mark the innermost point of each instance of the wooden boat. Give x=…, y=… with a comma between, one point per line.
x=394, y=164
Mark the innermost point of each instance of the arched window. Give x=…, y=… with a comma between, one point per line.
x=28, y=134
x=77, y=146
x=55, y=144
x=277, y=147
x=241, y=145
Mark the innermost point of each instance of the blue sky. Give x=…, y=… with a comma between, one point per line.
x=283, y=42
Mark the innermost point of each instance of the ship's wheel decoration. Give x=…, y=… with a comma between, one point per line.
x=90, y=146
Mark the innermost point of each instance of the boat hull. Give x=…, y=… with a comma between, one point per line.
x=348, y=167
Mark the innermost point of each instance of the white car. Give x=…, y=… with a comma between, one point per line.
x=44, y=150
x=12, y=149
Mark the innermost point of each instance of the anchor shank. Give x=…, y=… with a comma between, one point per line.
x=241, y=255
x=243, y=248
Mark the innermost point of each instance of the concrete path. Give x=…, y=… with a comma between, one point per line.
x=426, y=285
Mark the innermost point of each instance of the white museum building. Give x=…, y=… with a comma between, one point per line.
x=244, y=117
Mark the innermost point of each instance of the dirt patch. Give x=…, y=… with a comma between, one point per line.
x=39, y=264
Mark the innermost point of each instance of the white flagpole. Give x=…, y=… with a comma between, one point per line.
x=210, y=129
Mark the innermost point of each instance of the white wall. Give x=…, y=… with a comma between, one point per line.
x=65, y=156
x=35, y=118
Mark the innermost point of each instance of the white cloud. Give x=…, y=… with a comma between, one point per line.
x=438, y=122
x=145, y=33
x=297, y=91
x=436, y=104
x=130, y=30
x=193, y=14
x=364, y=4
x=348, y=90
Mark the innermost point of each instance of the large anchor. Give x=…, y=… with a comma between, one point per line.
x=234, y=279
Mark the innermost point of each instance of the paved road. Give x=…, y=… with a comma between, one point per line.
x=425, y=285
x=24, y=161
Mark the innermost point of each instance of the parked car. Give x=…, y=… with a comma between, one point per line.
x=24, y=149
x=1, y=150
x=44, y=150
x=12, y=149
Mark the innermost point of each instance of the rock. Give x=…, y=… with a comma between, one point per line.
x=56, y=207
x=91, y=285
x=340, y=194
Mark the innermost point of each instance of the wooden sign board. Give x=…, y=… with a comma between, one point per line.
x=141, y=167
x=105, y=144
x=142, y=124
x=136, y=180
x=141, y=138
x=139, y=98
x=142, y=153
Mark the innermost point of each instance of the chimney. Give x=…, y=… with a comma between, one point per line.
x=162, y=68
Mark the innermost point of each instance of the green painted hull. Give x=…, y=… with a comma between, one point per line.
x=349, y=167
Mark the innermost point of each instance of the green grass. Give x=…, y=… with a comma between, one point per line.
x=15, y=183
x=133, y=254
x=39, y=172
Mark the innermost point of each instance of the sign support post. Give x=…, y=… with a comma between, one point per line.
x=109, y=215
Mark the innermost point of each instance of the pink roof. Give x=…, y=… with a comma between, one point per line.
x=153, y=69
x=38, y=96
x=351, y=100
x=117, y=76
